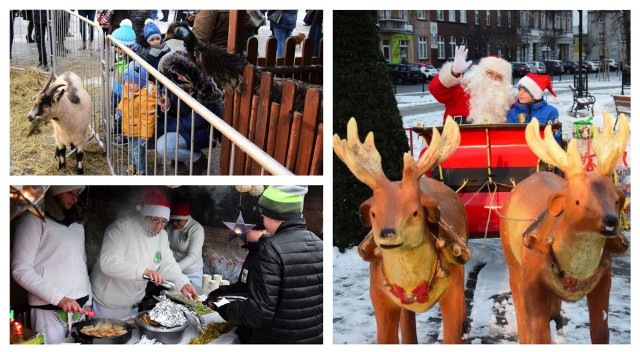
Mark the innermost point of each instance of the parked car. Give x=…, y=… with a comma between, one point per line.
x=554, y=67
x=537, y=67
x=429, y=71
x=569, y=66
x=613, y=65
x=519, y=69
x=403, y=73
x=593, y=65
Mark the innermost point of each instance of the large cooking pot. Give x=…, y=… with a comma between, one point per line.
x=161, y=334
x=87, y=339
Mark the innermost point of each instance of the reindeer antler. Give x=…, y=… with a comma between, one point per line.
x=441, y=146
x=549, y=151
x=362, y=159
x=609, y=147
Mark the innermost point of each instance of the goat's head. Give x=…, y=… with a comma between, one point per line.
x=46, y=98
x=589, y=202
x=398, y=211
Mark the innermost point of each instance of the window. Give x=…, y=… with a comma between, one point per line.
x=623, y=37
x=463, y=16
x=440, y=15
x=543, y=21
x=384, y=14
x=404, y=51
x=509, y=19
x=488, y=18
x=452, y=43
x=452, y=15
x=556, y=21
x=422, y=48
x=477, y=17
x=499, y=18
x=601, y=19
x=535, y=20
x=463, y=41
x=601, y=38
x=524, y=19
x=441, y=54
x=488, y=49
x=421, y=14
x=386, y=49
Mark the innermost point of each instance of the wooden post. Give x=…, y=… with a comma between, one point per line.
x=235, y=40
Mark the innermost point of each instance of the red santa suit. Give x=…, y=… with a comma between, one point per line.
x=460, y=100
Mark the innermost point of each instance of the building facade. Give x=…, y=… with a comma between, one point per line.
x=606, y=37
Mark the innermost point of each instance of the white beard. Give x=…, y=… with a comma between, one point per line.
x=489, y=100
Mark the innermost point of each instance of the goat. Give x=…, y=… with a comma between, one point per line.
x=417, y=244
x=558, y=233
x=68, y=105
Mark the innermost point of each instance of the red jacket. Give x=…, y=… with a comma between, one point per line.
x=446, y=89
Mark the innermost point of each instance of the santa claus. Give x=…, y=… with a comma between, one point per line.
x=480, y=94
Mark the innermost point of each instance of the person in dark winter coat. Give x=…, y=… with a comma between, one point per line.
x=157, y=49
x=40, y=25
x=174, y=128
x=212, y=27
x=530, y=103
x=284, y=304
x=253, y=240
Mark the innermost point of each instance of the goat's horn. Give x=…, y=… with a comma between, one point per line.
x=609, y=147
x=51, y=76
x=363, y=159
x=52, y=90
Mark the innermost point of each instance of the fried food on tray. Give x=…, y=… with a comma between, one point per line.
x=103, y=330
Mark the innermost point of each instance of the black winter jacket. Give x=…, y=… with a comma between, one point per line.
x=285, y=291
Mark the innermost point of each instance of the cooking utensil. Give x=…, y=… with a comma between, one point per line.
x=165, y=335
x=166, y=283
x=83, y=338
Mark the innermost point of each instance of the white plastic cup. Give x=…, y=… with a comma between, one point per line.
x=213, y=285
x=224, y=282
x=217, y=277
x=206, y=278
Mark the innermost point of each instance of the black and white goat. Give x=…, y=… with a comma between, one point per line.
x=65, y=102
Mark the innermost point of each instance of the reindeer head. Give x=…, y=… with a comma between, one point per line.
x=45, y=99
x=398, y=211
x=589, y=202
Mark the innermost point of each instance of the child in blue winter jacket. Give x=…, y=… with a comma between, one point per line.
x=530, y=103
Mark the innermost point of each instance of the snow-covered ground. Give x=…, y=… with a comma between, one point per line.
x=492, y=314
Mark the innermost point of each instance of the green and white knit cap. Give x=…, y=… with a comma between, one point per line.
x=282, y=202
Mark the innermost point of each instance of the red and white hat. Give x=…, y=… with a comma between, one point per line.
x=536, y=84
x=180, y=211
x=154, y=203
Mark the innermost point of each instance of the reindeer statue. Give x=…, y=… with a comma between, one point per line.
x=417, y=245
x=558, y=233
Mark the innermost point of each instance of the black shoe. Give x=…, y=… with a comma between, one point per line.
x=201, y=165
x=42, y=67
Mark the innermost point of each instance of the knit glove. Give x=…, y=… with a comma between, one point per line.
x=222, y=310
x=460, y=63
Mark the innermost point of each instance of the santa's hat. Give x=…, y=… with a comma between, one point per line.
x=154, y=203
x=498, y=65
x=180, y=211
x=536, y=84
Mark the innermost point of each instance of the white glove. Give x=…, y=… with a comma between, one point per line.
x=460, y=63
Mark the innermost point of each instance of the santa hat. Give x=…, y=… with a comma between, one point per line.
x=151, y=30
x=180, y=211
x=154, y=203
x=536, y=84
x=497, y=65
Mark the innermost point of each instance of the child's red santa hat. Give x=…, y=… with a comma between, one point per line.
x=154, y=203
x=536, y=84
